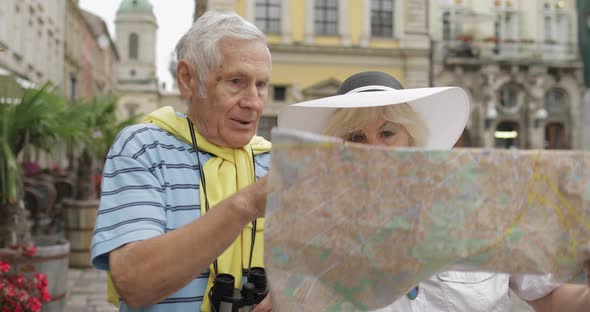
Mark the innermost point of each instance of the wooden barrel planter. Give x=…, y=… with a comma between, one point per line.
x=80, y=216
x=50, y=259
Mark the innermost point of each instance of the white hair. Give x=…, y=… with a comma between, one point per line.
x=200, y=44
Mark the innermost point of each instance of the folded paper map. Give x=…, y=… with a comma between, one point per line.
x=354, y=227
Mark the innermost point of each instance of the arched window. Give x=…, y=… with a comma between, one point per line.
x=555, y=136
x=507, y=135
x=133, y=46
x=508, y=95
x=556, y=101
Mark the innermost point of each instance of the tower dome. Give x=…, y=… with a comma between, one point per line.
x=130, y=6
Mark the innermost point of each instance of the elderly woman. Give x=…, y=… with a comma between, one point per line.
x=431, y=118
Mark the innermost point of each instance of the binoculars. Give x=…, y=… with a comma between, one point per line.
x=224, y=297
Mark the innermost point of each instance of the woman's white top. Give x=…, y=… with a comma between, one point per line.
x=473, y=291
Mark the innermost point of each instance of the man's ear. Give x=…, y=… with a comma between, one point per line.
x=187, y=79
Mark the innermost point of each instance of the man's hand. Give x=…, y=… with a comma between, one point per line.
x=264, y=306
x=254, y=198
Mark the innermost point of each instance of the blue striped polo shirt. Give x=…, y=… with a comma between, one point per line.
x=151, y=186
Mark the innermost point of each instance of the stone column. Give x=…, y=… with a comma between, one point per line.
x=286, y=21
x=536, y=107
x=489, y=112
x=343, y=23
x=250, y=6
x=366, y=28
x=309, y=22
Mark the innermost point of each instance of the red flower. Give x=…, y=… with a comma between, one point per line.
x=4, y=267
x=10, y=291
x=29, y=251
x=22, y=295
x=41, y=280
x=34, y=305
x=22, y=292
x=45, y=296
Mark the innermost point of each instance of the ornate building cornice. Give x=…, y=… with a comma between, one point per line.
x=341, y=50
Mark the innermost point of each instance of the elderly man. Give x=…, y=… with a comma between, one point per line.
x=179, y=203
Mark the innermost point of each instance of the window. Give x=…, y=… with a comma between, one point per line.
x=446, y=19
x=382, y=18
x=133, y=46
x=265, y=126
x=326, y=17
x=510, y=26
x=268, y=15
x=73, y=81
x=555, y=101
x=561, y=28
x=509, y=95
x=555, y=23
x=131, y=109
x=547, y=28
x=555, y=137
x=279, y=93
x=507, y=135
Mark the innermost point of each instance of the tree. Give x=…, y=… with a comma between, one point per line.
x=100, y=128
x=37, y=121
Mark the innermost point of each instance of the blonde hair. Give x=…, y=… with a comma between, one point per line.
x=345, y=121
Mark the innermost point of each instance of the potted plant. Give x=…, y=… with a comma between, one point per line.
x=491, y=39
x=465, y=38
x=21, y=287
x=36, y=121
x=100, y=129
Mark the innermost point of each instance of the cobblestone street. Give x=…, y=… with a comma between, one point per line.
x=87, y=291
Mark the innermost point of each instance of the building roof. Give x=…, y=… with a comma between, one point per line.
x=99, y=29
x=135, y=6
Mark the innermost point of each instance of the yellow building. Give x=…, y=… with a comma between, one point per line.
x=316, y=44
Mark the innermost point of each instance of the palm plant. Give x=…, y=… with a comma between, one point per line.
x=100, y=127
x=35, y=122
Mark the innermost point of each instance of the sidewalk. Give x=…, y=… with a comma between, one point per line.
x=87, y=291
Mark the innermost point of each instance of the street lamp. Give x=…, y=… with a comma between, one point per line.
x=540, y=116
x=491, y=115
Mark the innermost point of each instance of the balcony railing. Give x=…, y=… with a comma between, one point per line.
x=492, y=49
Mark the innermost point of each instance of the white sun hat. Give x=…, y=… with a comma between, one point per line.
x=445, y=110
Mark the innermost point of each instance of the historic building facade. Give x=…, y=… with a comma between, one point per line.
x=520, y=63
x=137, y=81
x=316, y=44
x=584, y=40
x=32, y=35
